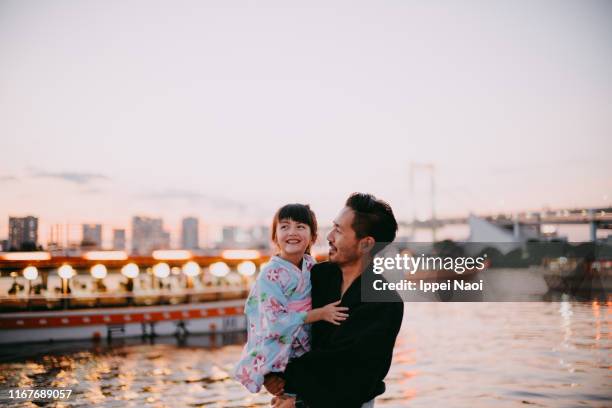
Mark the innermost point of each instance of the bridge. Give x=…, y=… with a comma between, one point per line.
x=596, y=218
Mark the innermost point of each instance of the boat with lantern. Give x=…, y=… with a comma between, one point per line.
x=575, y=275
x=108, y=294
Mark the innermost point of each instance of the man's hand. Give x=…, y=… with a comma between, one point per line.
x=274, y=384
x=283, y=401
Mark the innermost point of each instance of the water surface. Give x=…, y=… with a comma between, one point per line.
x=540, y=354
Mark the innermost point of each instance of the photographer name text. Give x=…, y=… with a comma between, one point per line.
x=427, y=286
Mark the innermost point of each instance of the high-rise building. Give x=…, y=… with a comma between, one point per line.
x=164, y=241
x=148, y=235
x=260, y=236
x=189, y=233
x=229, y=236
x=237, y=237
x=23, y=233
x=92, y=236
x=119, y=240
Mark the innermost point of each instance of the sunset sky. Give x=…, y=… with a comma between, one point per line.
x=227, y=109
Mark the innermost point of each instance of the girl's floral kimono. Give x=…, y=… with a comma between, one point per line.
x=275, y=311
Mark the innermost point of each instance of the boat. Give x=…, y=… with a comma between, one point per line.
x=578, y=275
x=219, y=316
x=105, y=297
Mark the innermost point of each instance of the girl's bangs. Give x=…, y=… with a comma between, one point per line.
x=297, y=213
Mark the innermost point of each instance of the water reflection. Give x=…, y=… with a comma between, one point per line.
x=554, y=354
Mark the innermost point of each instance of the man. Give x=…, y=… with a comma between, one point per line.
x=348, y=362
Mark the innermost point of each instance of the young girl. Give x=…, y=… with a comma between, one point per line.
x=278, y=308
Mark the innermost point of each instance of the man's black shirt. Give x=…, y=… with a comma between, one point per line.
x=347, y=363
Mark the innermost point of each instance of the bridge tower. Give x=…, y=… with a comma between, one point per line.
x=430, y=169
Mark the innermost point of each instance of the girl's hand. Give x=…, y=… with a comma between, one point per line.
x=333, y=313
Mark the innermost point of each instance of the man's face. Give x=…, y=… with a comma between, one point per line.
x=343, y=243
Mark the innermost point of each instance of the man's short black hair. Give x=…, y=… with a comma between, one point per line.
x=373, y=218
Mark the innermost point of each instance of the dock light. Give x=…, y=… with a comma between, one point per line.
x=65, y=271
x=171, y=254
x=240, y=254
x=191, y=269
x=106, y=256
x=247, y=268
x=30, y=273
x=161, y=270
x=98, y=271
x=219, y=269
x=130, y=270
x=26, y=256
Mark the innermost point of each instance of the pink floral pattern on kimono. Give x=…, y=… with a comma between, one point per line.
x=275, y=311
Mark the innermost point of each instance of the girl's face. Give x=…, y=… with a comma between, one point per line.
x=292, y=237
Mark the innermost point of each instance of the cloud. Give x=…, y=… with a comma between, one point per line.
x=195, y=196
x=7, y=178
x=80, y=178
x=92, y=190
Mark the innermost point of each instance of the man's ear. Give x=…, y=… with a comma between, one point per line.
x=366, y=244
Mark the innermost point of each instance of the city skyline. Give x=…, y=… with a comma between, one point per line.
x=145, y=235
x=153, y=233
